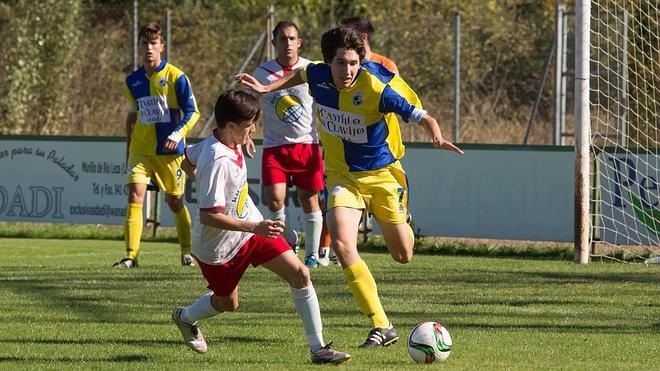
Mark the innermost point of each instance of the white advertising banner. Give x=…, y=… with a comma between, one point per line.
x=630, y=199
x=502, y=192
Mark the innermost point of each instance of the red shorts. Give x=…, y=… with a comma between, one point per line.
x=223, y=278
x=297, y=164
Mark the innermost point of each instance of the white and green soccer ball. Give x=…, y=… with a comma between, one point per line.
x=429, y=342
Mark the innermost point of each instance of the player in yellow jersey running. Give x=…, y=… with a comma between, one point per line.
x=365, y=30
x=161, y=111
x=362, y=147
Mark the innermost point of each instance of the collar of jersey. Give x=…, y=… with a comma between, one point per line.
x=158, y=69
x=287, y=68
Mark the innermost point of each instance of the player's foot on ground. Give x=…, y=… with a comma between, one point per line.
x=328, y=355
x=187, y=260
x=126, y=263
x=191, y=334
x=380, y=337
x=311, y=261
x=324, y=257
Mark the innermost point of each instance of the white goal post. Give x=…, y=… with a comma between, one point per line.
x=617, y=98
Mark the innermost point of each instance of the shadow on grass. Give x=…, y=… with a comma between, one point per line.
x=243, y=339
x=137, y=342
x=128, y=358
x=405, y=320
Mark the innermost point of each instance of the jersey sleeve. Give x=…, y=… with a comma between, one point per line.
x=399, y=98
x=192, y=152
x=130, y=100
x=211, y=194
x=401, y=87
x=187, y=104
x=307, y=73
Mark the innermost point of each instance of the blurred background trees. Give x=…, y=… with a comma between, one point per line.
x=64, y=61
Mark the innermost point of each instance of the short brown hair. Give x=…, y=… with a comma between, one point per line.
x=236, y=106
x=341, y=37
x=151, y=31
x=282, y=25
x=360, y=24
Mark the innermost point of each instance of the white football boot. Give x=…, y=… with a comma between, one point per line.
x=190, y=332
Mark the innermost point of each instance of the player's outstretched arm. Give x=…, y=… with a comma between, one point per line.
x=285, y=82
x=266, y=228
x=430, y=124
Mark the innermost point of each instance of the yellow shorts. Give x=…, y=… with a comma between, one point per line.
x=164, y=170
x=384, y=192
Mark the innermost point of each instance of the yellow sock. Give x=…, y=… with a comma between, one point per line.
x=133, y=229
x=362, y=285
x=183, y=229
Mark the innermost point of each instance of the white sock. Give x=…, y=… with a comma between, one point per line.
x=307, y=305
x=289, y=234
x=313, y=227
x=201, y=309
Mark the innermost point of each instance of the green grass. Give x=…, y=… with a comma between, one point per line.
x=63, y=306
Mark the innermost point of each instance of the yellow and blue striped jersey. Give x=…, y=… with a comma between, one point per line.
x=164, y=103
x=357, y=130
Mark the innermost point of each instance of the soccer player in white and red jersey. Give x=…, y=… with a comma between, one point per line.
x=291, y=153
x=363, y=146
x=230, y=233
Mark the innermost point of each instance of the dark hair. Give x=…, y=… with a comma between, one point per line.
x=150, y=31
x=236, y=106
x=282, y=25
x=360, y=24
x=341, y=37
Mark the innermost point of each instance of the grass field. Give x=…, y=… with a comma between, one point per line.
x=63, y=306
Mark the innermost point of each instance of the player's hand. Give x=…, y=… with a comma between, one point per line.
x=269, y=228
x=250, y=82
x=249, y=149
x=441, y=143
x=170, y=145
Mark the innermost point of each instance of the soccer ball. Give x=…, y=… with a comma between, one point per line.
x=429, y=342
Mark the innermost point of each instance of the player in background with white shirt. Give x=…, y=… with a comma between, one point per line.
x=292, y=155
x=230, y=233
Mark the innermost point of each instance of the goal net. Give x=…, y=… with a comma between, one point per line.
x=624, y=98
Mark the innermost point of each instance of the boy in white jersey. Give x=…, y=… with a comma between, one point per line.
x=230, y=233
x=291, y=151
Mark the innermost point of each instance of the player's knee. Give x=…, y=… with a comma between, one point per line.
x=175, y=203
x=300, y=278
x=275, y=205
x=403, y=257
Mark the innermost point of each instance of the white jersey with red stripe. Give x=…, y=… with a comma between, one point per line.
x=288, y=113
x=222, y=187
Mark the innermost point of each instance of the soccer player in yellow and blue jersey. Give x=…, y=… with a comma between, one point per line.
x=362, y=147
x=161, y=111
